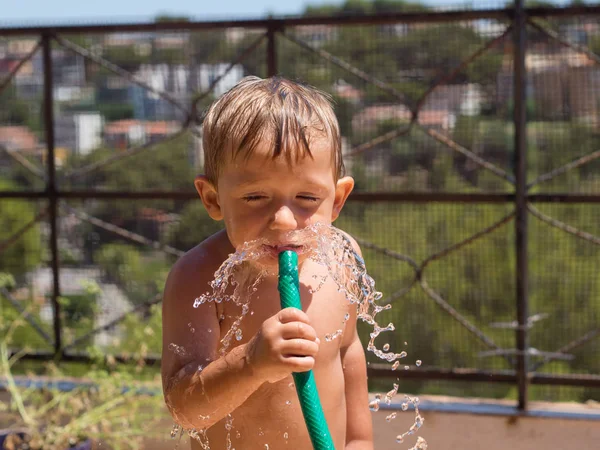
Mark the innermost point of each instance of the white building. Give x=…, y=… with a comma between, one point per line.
x=79, y=132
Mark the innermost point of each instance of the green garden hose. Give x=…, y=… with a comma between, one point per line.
x=306, y=387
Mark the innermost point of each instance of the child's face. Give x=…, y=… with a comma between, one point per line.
x=262, y=197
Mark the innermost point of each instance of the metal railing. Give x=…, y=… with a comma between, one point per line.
x=518, y=20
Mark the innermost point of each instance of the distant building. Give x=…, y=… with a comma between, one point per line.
x=181, y=82
x=155, y=224
x=123, y=134
x=561, y=85
x=345, y=90
x=21, y=140
x=18, y=138
x=81, y=133
x=208, y=73
x=370, y=117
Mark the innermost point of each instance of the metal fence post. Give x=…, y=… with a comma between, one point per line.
x=520, y=123
x=51, y=190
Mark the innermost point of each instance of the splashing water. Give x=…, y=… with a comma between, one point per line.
x=331, y=248
x=174, y=431
x=200, y=437
x=177, y=349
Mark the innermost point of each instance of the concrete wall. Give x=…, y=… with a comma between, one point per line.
x=448, y=431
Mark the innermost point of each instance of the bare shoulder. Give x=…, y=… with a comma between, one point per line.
x=195, y=269
x=355, y=245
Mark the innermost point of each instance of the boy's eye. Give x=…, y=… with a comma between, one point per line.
x=253, y=198
x=309, y=198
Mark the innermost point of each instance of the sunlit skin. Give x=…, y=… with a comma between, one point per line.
x=265, y=198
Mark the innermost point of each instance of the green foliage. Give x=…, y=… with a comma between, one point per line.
x=126, y=57
x=115, y=111
x=166, y=18
x=362, y=7
x=81, y=307
x=141, y=276
x=7, y=281
x=114, y=408
x=14, y=111
x=25, y=253
x=594, y=44
x=194, y=226
x=142, y=335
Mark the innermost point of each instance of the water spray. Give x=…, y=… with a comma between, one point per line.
x=306, y=387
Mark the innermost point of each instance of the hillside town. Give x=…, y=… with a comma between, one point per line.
x=88, y=100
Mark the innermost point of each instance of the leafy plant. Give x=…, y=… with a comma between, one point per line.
x=113, y=408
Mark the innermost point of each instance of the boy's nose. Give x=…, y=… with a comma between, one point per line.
x=284, y=219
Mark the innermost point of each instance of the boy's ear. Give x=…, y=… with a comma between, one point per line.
x=342, y=190
x=209, y=196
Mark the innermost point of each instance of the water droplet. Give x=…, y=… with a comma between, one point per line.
x=266, y=446
x=421, y=444
x=291, y=385
x=396, y=364
x=174, y=431
x=347, y=316
x=406, y=367
x=405, y=343
x=403, y=354
x=285, y=435
x=386, y=347
x=374, y=405
x=391, y=417
x=399, y=439
x=177, y=349
x=238, y=334
x=404, y=406
x=288, y=402
x=418, y=362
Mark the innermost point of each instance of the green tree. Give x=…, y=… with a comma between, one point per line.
x=194, y=226
x=26, y=252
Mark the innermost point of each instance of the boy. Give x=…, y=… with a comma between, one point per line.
x=273, y=165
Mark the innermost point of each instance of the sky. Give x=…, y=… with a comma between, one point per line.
x=39, y=12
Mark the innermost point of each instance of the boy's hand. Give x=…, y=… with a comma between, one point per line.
x=285, y=343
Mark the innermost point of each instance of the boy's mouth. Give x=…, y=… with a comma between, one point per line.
x=275, y=250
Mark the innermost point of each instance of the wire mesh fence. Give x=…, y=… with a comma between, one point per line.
x=473, y=137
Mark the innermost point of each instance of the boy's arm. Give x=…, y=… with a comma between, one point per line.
x=199, y=387
x=359, y=428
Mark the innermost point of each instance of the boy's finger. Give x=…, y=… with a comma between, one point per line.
x=300, y=363
x=299, y=347
x=294, y=330
x=292, y=315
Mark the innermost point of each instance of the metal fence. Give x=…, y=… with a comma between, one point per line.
x=453, y=124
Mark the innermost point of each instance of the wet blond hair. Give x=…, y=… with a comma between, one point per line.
x=281, y=112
